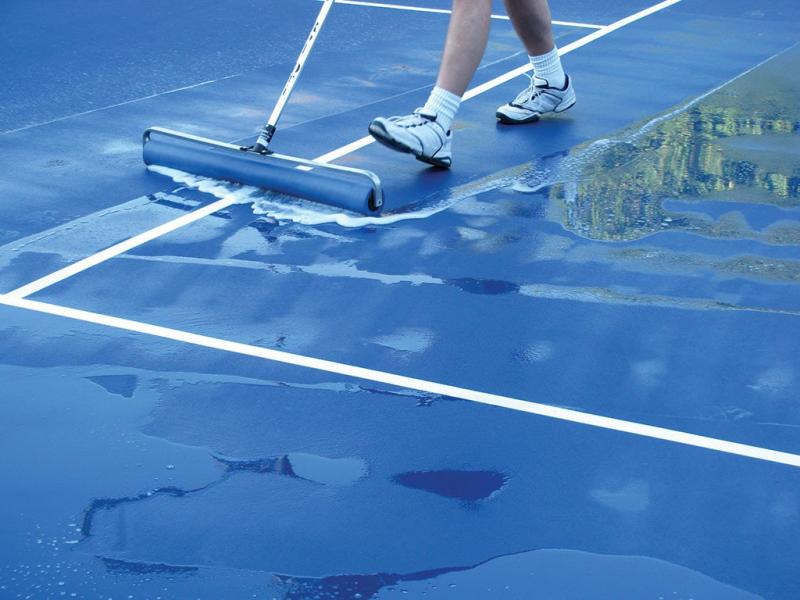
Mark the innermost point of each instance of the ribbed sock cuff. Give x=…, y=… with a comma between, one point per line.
x=445, y=104
x=548, y=66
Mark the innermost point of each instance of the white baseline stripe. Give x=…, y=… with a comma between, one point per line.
x=444, y=11
x=543, y=410
x=109, y=253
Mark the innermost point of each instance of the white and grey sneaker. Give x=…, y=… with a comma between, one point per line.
x=538, y=99
x=418, y=134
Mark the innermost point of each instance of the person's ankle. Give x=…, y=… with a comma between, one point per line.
x=548, y=67
x=445, y=105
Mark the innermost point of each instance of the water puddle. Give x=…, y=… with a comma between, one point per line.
x=121, y=385
x=563, y=574
x=327, y=471
x=737, y=145
x=309, y=467
x=469, y=486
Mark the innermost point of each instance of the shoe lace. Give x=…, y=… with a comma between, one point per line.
x=528, y=94
x=413, y=120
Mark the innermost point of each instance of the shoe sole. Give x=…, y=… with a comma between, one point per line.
x=382, y=136
x=532, y=119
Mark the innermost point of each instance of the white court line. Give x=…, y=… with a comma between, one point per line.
x=124, y=246
x=444, y=11
x=16, y=299
x=401, y=381
x=109, y=253
x=94, y=110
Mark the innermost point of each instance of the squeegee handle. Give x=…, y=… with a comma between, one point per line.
x=268, y=130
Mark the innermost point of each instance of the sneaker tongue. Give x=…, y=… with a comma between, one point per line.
x=426, y=114
x=540, y=82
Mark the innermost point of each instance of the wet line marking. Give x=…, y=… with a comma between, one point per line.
x=124, y=246
x=444, y=11
x=401, y=381
x=109, y=253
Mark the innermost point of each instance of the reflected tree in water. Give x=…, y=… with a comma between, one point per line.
x=739, y=145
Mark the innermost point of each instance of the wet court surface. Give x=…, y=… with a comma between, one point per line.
x=636, y=258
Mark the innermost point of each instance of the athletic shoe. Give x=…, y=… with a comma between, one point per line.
x=538, y=99
x=418, y=134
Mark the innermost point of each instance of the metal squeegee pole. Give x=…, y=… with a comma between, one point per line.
x=264, y=138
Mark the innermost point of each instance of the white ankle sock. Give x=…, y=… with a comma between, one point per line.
x=548, y=66
x=445, y=104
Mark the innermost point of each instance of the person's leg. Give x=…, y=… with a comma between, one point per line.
x=533, y=24
x=466, y=42
x=426, y=132
x=550, y=89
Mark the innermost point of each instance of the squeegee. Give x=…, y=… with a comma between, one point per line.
x=357, y=190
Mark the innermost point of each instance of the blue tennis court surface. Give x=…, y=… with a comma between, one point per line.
x=566, y=369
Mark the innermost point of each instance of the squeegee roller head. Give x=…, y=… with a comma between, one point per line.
x=353, y=191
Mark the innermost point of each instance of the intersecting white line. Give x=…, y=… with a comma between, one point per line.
x=535, y=408
x=18, y=299
x=444, y=11
x=121, y=247
x=109, y=253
